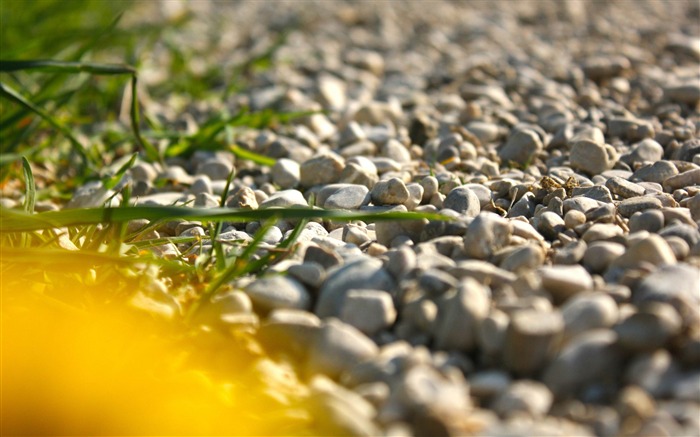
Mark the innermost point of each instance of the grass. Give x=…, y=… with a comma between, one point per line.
x=81, y=292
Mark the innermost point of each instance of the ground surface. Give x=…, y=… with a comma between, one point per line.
x=548, y=282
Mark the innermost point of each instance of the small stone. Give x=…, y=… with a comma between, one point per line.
x=591, y=357
x=646, y=150
x=583, y=204
x=550, y=225
x=587, y=312
x=389, y=192
x=355, y=234
x=243, y=199
x=524, y=396
x=274, y=292
x=487, y=233
x=430, y=187
x=370, y=311
x=682, y=180
x=684, y=93
x=652, y=249
x=286, y=173
x=596, y=192
x=674, y=284
x=601, y=254
x=593, y=158
x=650, y=328
x=308, y=273
x=624, y=188
x=565, y=281
x=531, y=340
x=285, y=199
x=459, y=316
x=321, y=169
x=360, y=274
x=201, y=184
x=347, y=197
x=574, y=218
x=415, y=196
x=657, y=172
x=290, y=331
x=651, y=220
x=655, y=372
x=216, y=169
x=336, y=348
x=526, y=257
x=354, y=173
x=396, y=151
x=487, y=384
x=436, y=282
x=521, y=147
x=463, y=200
x=638, y=204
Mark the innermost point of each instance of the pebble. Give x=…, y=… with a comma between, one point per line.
x=650, y=220
x=389, y=192
x=487, y=233
x=521, y=147
x=216, y=169
x=624, y=188
x=354, y=275
x=591, y=357
x=321, y=169
x=275, y=292
x=587, y=312
x=638, y=204
x=524, y=396
x=336, y=348
x=345, y=196
x=370, y=311
x=591, y=157
x=284, y=199
x=600, y=255
x=531, y=340
x=658, y=172
x=459, y=316
x=653, y=249
x=286, y=173
x=463, y=200
x=650, y=328
x=565, y=281
x=550, y=225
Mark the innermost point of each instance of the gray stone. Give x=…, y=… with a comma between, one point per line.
x=592, y=158
x=574, y=218
x=652, y=249
x=354, y=173
x=244, y=198
x=201, y=184
x=415, y=196
x=389, y=192
x=463, y=200
x=531, y=340
x=285, y=199
x=459, y=316
x=571, y=253
x=368, y=310
x=586, y=312
x=290, y=331
x=646, y=150
x=347, y=197
x=596, y=192
x=689, y=233
x=638, y=204
x=487, y=384
x=591, y=357
x=396, y=151
x=550, y=225
x=308, y=273
x=674, y=284
x=216, y=169
x=339, y=411
x=601, y=254
x=387, y=231
x=286, y=173
x=524, y=396
x=274, y=292
x=651, y=220
x=321, y=169
x=484, y=272
x=521, y=147
x=436, y=282
x=565, y=281
x=656, y=372
x=526, y=257
x=657, y=172
x=682, y=180
x=583, y=204
x=624, y=188
x=363, y=273
x=684, y=93
x=487, y=233
x=337, y=347
x=650, y=328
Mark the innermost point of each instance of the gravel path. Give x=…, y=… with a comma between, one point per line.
x=564, y=299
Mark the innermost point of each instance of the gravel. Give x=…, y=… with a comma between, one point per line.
x=562, y=298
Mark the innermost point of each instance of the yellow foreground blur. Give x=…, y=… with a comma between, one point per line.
x=108, y=370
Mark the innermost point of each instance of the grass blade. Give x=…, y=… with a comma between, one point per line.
x=17, y=221
x=30, y=187
x=252, y=156
x=14, y=96
x=51, y=66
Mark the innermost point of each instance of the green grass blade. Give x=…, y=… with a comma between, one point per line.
x=252, y=156
x=51, y=66
x=150, y=150
x=30, y=187
x=14, y=96
x=17, y=221
x=111, y=181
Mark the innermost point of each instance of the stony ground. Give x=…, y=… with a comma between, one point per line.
x=564, y=297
